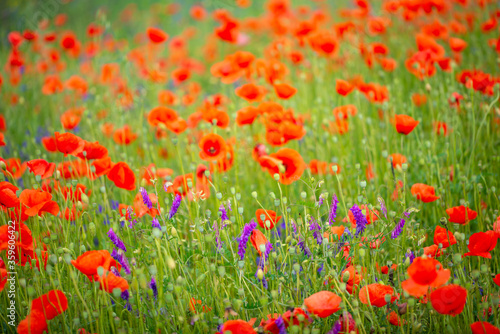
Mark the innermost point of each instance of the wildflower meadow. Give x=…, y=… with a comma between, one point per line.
x=250, y=166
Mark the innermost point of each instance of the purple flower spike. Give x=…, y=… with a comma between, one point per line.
x=223, y=212
x=153, y=287
x=360, y=220
x=243, y=239
x=175, y=206
x=155, y=223
x=146, y=199
x=333, y=210
x=116, y=240
x=280, y=323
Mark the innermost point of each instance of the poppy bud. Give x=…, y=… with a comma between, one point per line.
x=254, y=194
x=170, y=263
x=402, y=309
x=260, y=274
x=346, y=276
x=3, y=166
x=303, y=195
x=276, y=177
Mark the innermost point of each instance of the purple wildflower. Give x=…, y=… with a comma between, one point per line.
x=243, y=239
x=360, y=219
x=336, y=328
x=229, y=205
x=145, y=198
x=333, y=210
x=304, y=248
x=223, y=212
x=399, y=227
x=115, y=271
x=269, y=247
x=215, y=227
x=175, y=206
x=382, y=206
x=294, y=226
x=155, y=223
x=125, y=296
x=314, y=226
x=410, y=255
x=116, y=240
x=122, y=259
x=320, y=202
x=280, y=323
x=153, y=287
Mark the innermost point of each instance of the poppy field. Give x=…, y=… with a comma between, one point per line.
x=250, y=166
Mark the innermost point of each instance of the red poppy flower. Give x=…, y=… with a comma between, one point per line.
x=291, y=317
x=265, y=216
x=258, y=239
x=90, y=261
x=323, y=304
x=41, y=167
x=161, y=115
x=424, y=192
x=122, y=176
x=110, y=281
x=496, y=280
x=397, y=160
x=287, y=162
x=405, y=124
x=251, y=92
x=43, y=308
x=140, y=209
x=213, y=147
x=247, y=115
x=237, y=327
x=374, y=294
x=8, y=197
x=444, y=237
x=457, y=44
x=343, y=87
x=461, y=215
x=23, y=242
x=124, y=136
x=50, y=144
x=424, y=273
x=394, y=319
x=68, y=143
x=157, y=35
x=449, y=299
x=432, y=251
x=92, y=151
x=481, y=244
x=482, y=327
x=284, y=90
x=36, y=202
x=355, y=278
x=419, y=99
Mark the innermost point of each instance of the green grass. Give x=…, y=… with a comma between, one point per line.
x=183, y=257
